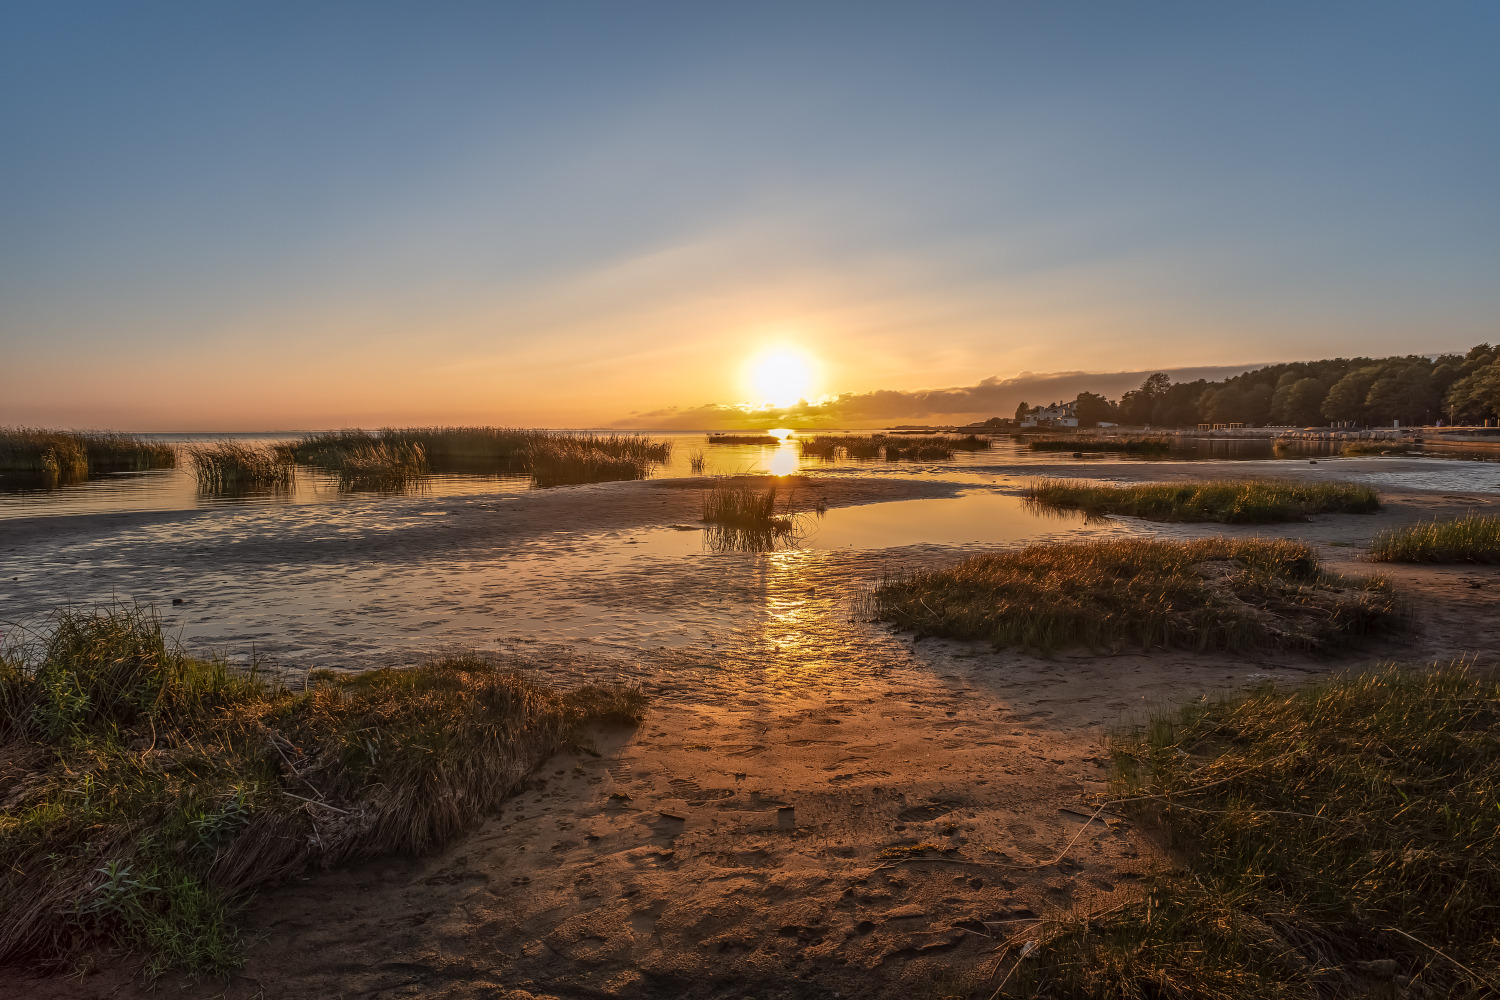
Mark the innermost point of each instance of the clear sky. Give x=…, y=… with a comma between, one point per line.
x=220, y=216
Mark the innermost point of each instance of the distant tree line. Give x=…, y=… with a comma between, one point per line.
x=1416, y=390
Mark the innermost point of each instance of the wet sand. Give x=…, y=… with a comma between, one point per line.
x=732, y=844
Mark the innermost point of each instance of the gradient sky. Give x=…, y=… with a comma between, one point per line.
x=221, y=216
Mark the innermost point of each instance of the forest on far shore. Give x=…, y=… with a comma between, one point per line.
x=1365, y=392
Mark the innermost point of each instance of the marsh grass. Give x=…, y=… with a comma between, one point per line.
x=1129, y=443
x=1335, y=841
x=549, y=457
x=1230, y=501
x=1209, y=594
x=1379, y=448
x=747, y=507
x=228, y=467
x=761, y=439
x=1473, y=538
x=698, y=463
x=926, y=447
x=144, y=792
x=69, y=456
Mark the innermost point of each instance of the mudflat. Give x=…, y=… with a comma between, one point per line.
x=814, y=805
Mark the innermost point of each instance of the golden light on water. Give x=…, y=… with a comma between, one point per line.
x=780, y=376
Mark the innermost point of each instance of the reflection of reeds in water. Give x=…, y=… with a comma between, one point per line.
x=550, y=457
x=1473, y=538
x=68, y=456
x=1211, y=594
x=745, y=518
x=228, y=467
x=1232, y=501
x=162, y=788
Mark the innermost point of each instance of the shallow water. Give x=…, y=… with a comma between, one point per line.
x=176, y=489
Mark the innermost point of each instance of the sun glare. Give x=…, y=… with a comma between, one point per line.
x=780, y=377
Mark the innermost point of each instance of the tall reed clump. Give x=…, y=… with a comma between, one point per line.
x=550, y=457
x=71, y=456
x=698, y=463
x=144, y=792
x=1334, y=842
x=739, y=506
x=1133, y=444
x=1230, y=501
x=1210, y=594
x=1473, y=538
x=231, y=467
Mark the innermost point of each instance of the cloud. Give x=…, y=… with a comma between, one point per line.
x=991, y=397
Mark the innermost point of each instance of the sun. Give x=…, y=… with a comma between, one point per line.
x=780, y=376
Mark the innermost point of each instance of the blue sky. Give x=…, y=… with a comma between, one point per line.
x=279, y=215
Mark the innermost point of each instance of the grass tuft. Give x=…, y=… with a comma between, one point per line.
x=230, y=467
x=1134, y=444
x=762, y=439
x=1230, y=501
x=1337, y=841
x=144, y=792
x=1210, y=594
x=1473, y=538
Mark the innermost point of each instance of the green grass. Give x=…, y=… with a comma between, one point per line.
x=1336, y=841
x=230, y=467
x=1129, y=443
x=70, y=456
x=145, y=792
x=1230, y=501
x=1473, y=538
x=549, y=457
x=1211, y=594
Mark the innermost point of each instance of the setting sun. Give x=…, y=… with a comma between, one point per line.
x=780, y=377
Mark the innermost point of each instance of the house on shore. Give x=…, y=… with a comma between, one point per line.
x=1056, y=415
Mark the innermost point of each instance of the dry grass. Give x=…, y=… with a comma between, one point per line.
x=229, y=467
x=1231, y=501
x=549, y=457
x=70, y=456
x=1473, y=538
x=143, y=792
x=1211, y=594
x=747, y=507
x=698, y=463
x=913, y=447
x=1338, y=841
x=1380, y=448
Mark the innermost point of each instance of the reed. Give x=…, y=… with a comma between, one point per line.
x=71, y=456
x=855, y=446
x=1473, y=538
x=550, y=457
x=746, y=507
x=1210, y=594
x=1333, y=842
x=1380, y=448
x=698, y=463
x=761, y=439
x=231, y=467
x=1128, y=443
x=1230, y=501
x=147, y=791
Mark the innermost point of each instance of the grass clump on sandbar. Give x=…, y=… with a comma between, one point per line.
x=71, y=456
x=1473, y=538
x=143, y=791
x=231, y=467
x=1210, y=594
x=1229, y=501
x=1335, y=841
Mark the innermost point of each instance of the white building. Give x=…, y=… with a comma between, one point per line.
x=1056, y=415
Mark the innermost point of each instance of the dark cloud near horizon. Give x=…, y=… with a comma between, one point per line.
x=991, y=397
